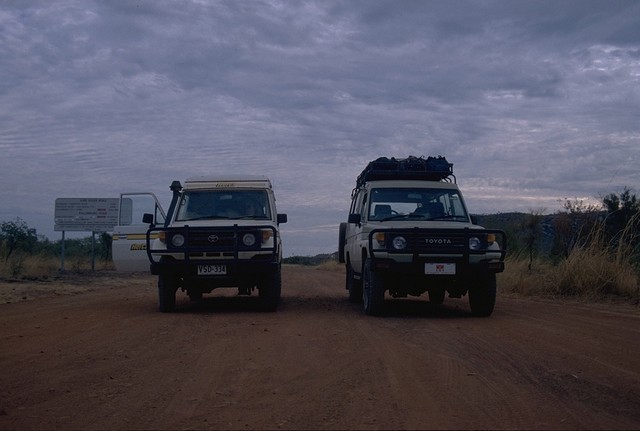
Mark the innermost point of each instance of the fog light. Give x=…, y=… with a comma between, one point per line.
x=399, y=243
x=177, y=240
x=248, y=239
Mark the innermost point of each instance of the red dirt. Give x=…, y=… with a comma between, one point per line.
x=103, y=357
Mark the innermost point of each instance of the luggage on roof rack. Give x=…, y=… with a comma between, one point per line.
x=411, y=168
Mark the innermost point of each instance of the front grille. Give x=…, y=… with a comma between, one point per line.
x=214, y=243
x=216, y=239
x=211, y=239
x=425, y=242
x=438, y=242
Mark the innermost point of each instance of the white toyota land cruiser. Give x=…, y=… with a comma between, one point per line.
x=218, y=232
x=409, y=232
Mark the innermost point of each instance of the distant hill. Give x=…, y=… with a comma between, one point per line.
x=511, y=222
x=311, y=260
x=501, y=220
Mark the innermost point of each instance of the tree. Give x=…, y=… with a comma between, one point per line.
x=530, y=231
x=573, y=226
x=104, y=245
x=17, y=235
x=623, y=217
x=621, y=209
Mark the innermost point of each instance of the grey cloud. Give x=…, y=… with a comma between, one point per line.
x=531, y=101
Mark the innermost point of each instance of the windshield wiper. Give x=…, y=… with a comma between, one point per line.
x=248, y=217
x=395, y=217
x=423, y=217
x=448, y=217
x=207, y=217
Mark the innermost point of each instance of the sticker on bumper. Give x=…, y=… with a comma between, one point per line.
x=440, y=268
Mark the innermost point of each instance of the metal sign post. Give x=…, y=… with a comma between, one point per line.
x=62, y=254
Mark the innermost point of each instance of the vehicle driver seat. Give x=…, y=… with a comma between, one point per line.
x=381, y=211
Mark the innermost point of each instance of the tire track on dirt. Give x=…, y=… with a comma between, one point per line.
x=317, y=363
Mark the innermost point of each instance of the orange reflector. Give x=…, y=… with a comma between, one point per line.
x=379, y=236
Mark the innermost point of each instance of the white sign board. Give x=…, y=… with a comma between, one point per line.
x=86, y=214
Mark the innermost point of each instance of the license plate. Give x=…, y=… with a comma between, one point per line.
x=212, y=269
x=440, y=268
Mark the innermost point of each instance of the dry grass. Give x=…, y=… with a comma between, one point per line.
x=583, y=275
x=592, y=271
x=517, y=278
x=35, y=267
x=331, y=265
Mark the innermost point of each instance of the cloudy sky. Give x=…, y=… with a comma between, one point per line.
x=533, y=102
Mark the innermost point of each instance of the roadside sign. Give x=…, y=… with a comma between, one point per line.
x=86, y=214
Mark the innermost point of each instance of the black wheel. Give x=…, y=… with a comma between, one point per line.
x=372, y=291
x=341, y=238
x=353, y=286
x=436, y=295
x=269, y=291
x=167, y=287
x=195, y=295
x=482, y=295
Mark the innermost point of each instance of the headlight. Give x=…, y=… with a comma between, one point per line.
x=248, y=239
x=177, y=240
x=266, y=235
x=399, y=243
x=475, y=243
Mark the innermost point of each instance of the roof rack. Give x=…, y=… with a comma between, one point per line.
x=411, y=168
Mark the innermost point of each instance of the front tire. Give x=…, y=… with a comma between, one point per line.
x=372, y=291
x=269, y=292
x=195, y=295
x=167, y=287
x=354, y=287
x=482, y=295
x=342, y=232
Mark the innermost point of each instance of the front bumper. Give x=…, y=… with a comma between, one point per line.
x=437, y=247
x=214, y=247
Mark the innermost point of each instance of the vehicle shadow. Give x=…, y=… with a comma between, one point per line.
x=412, y=308
x=396, y=308
x=220, y=305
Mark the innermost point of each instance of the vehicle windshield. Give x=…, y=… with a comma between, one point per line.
x=223, y=204
x=416, y=204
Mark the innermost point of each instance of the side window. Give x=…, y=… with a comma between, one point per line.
x=134, y=205
x=355, y=202
x=363, y=207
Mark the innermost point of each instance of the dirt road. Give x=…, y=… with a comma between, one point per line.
x=105, y=358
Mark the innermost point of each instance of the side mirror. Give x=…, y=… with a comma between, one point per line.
x=355, y=218
x=147, y=218
x=474, y=219
x=282, y=218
